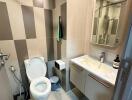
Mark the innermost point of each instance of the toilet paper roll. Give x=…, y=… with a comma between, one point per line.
x=59, y=64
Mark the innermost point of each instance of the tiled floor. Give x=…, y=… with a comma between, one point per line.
x=60, y=94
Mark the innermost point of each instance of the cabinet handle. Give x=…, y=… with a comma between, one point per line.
x=76, y=67
x=98, y=80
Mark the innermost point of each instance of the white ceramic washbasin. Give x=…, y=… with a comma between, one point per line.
x=101, y=70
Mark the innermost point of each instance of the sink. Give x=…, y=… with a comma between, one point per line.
x=90, y=62
x=102, y=70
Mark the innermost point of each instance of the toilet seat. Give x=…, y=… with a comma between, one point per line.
x=40, y=87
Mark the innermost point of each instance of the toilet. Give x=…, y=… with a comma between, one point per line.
x=40, y=86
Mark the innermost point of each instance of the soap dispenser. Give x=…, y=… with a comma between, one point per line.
x=116, y=62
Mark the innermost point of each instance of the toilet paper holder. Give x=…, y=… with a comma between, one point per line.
x=60, y=65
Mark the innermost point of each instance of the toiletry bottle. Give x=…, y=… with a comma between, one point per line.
x=116, y=62
x=102, y=57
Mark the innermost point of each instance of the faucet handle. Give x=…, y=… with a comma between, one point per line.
x=7, y=57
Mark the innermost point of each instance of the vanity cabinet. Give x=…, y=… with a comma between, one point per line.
x=77, y=77
x=91, y=86
x=96, y=89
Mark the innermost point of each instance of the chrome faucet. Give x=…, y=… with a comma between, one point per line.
x=3, y=58
x=102, y=57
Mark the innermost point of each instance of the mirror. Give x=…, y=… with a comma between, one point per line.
x=106, y=23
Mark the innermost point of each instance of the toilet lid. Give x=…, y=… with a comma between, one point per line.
x=36, y=68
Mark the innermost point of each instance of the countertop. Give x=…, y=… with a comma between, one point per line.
x=101, y=70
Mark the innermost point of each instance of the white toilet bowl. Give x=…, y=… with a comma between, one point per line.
x=40, y=86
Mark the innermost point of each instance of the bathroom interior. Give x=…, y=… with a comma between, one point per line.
x=62, y=49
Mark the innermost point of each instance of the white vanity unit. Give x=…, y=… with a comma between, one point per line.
x=94, y=79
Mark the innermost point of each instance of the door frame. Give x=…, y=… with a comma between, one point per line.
x=117, y=89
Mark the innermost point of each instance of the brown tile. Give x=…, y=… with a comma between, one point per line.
x=59, y=50
x=48, y=22
x=22, y=54
x=64, y=19
x=29, y=23
x=49, y=34
x=38, y=3
x=50, y=48
x=5, y=29
x=21, y=49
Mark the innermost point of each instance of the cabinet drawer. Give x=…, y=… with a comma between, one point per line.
x=96, y=89
x=77, y=77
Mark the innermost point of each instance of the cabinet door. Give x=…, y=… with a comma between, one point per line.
x=95, y=89
x=77, y=77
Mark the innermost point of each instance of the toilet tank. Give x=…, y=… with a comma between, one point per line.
x=35, y=68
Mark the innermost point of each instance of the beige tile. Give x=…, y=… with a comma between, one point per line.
x=16, y=20
x=77, y=25
x=63, y=49
x=9, y=48
x=3, y=0
x=27, y=2
x=49, y=4
x=39, y=22
x=36, y=47
x=14, y=1
x=38, y=3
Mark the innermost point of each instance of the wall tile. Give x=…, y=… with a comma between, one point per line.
x=29, y=24
x=2, y=0
x=49, y=34
x=16, y=20
x=8, y=47
x=63, y=49
x=39, y=22
x=22, y=54
x=48, y=22
x=59, y=50
x=14, y=1
x=38, y=3
x=40, y=28
x=64, y=19
x=76, y=27
x=27, y=2
x=49, y=4
x=36, y=48
x=50, y=48
x=5, y=29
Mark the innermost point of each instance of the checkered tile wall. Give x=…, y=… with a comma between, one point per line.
x=24, y=33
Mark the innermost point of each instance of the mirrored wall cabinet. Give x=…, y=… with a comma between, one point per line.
x=106, y=23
